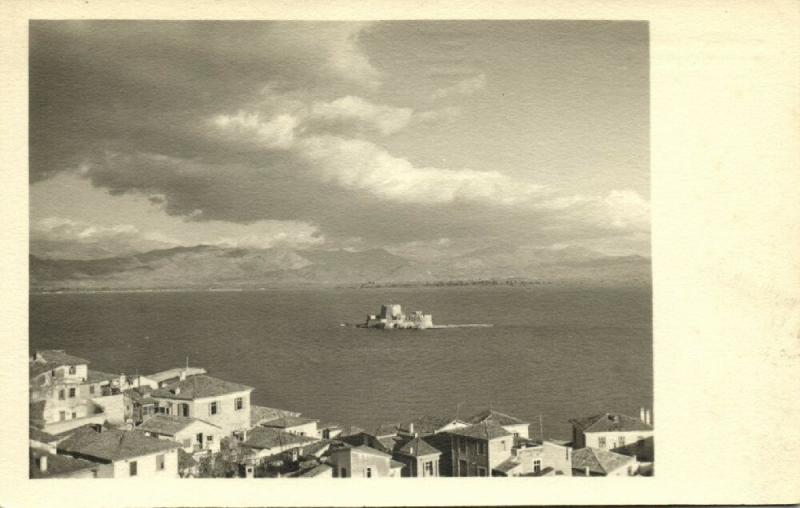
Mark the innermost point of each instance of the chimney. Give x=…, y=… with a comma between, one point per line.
x=43, y=463
x=641, y=414
x=587, y=471
x=647, y=417
x=411, y=428
x=183, y=375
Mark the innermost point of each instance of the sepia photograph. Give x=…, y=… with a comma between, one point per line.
x=339, y=249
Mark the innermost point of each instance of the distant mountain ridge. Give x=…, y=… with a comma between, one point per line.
x=209, y=266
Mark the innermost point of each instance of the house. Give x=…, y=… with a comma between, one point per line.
x=610, y=431
x=419, y=457
x=536, y=458
x=270, y=441
x=479, y=448
x=139, y=405
x=363, y=462
x=597, y=462
x=514, y=425
x=65, y=393
x=330, y=430
x=194, y=436
x=46, y=464
x=41, y=440
x=427, y=425
x=222, y=403
x=294, y=425
x=122, y=453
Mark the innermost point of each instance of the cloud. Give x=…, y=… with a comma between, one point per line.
x=278, y=132
x=360, y=165
x=338, y=113
x=466, y=86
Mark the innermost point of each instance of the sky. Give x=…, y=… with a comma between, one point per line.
x=426, y=138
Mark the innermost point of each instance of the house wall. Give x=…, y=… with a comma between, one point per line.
x=612, y=439
x=308, y=429
x=146, y=466
x=521, y=429
x=497, y=451
x=58, y=427
x=113, y=407
x=356, y=464
x=191, y=431
x=558, y=457
x=227, y=417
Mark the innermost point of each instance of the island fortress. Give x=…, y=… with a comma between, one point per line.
x=391, y=316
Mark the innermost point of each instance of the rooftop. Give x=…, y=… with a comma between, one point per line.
x=48, y=359
x=165, y=375
x=506, y=466
x=488, y=429
x=384, y=430
x=40, y=435
x=261, y=414
x=168, y=424
x=417, y=447
x=197, y=387
x=319, y=470
x=497, y=416
x=265, y=438
x=426, y=424
x=598, y=461
x=610, y=422
x=57, y=465
x=364, y=450
x=96, y=376
x=185, y=459
x=287, y=422
x=111, y=445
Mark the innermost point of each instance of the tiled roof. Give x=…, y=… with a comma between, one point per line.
x=52, y=358
x=350, y=430
x=165, y=375
x=261, y=414
x=199, y=386
x=394, y=464
x=384, y=430
x=168, y=424
x=426, y=424
x=506, y=466
x=317, y=448
x=488, y=429
x=598, y=461
x=111, y=445
x=57, y=465
x=497, y=416
x=365, y=450
x=417, y=447
x=287, y=422
x=40, y=435
x=610, y=422
x=264, y=438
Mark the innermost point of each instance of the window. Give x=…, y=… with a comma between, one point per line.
x=537, y=466
x=621, y=441
x=91, y=389
x=160, y=462
x=133, y=468
x=187, y=442
x=209, y=439
x=238, y=403
x=62, y=415
x=74, y=415
x=72, y=369
x=368, y=472
x=481, y=448
x=72, y=393
x=212, y=408
x=344, y=472
x=462, y=445
x=61, y=395
x=427, y=469
x=462, y=468
x=481, y=471
x=601, y=442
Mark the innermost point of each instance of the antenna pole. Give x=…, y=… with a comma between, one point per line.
x=541, y=428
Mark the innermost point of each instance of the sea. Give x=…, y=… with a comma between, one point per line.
x=554, y=353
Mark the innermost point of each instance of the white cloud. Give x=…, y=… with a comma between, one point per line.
x=345, y=55
x=267, y=234
x=466, y=86
x=385, y=119
x=361, y=165
x=277, y=132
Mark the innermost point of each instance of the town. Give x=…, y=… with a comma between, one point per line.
x=185, y=423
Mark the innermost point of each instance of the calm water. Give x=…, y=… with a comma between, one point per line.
x=554, y=351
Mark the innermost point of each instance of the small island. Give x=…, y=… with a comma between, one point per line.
x=391, y=317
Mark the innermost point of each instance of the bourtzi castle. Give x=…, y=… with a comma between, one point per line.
x=391, y=316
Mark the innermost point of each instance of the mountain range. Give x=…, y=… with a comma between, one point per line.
x=210, y=266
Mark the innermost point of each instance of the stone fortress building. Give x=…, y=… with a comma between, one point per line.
x=391, y=316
